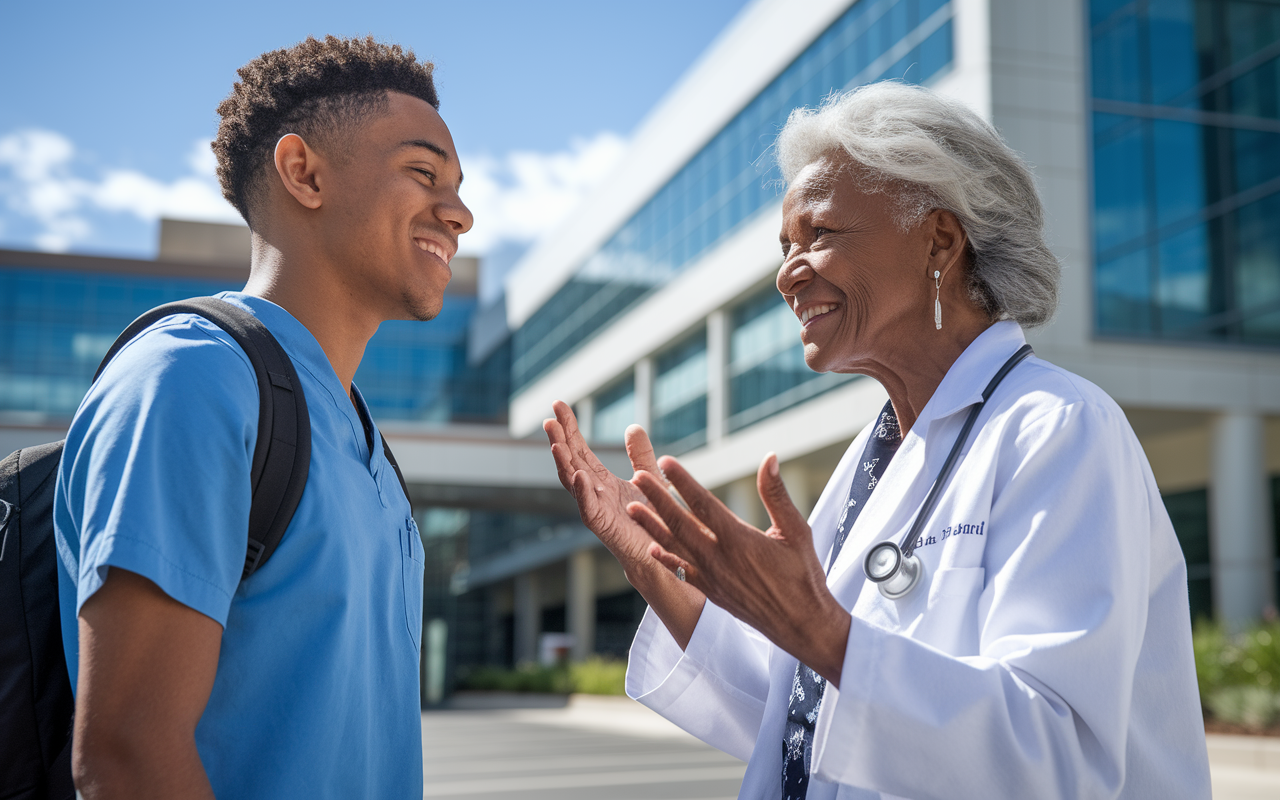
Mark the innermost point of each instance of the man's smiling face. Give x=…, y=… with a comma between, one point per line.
x=395, y=217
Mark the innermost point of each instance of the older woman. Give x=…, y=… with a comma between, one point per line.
x=988, y=600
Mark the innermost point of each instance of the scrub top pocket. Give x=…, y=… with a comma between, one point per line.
x=413, y=567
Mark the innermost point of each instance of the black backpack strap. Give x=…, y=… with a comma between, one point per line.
x=386, y=451
x=282, y=454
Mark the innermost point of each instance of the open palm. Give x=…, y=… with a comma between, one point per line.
x=602, y=496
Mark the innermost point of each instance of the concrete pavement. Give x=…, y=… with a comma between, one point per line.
x=588, y=749
x=491, y=747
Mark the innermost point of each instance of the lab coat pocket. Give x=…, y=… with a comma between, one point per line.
x=950, y=620
x=412, y=567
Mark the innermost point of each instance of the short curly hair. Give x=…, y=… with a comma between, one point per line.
x=317, y=89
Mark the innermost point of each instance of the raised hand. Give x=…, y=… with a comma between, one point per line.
x=771, y=579
x=602, y=496
x=603, y=499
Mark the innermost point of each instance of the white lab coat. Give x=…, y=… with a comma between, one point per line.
x=1047, y=653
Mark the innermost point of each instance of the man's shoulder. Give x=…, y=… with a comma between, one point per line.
x=184, y=354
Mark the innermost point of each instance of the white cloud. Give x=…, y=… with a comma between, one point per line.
x=38, y=178
x=515, y=198
x=522, y=195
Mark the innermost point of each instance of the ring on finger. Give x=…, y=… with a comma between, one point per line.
x=680, y=573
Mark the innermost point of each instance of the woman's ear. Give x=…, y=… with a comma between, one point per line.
x=298, y=167
x=948, y=244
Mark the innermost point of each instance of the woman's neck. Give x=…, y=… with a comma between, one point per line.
x=910, y=368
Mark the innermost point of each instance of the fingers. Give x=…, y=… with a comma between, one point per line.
x=670, y=525
x=560, y=453
x=674, y=562
x=704, y=505
x=773, y=492
x=585, y=491
x=665, y=546
x=640, y=450
x=583, y=457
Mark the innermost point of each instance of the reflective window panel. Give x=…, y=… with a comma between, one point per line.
x=615, y=409
x=1186, y=154
x=679, y=404
x=56, y=325
x=731, y=179
x=767, y=372
x=1189, y=512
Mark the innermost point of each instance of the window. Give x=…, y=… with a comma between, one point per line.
x=615, y=410
x=1186, y=152
x=679, y=406
x=721, y=185
x=1189, y=512
x=767, y=372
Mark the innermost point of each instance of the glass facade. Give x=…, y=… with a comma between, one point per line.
x=55, y=326
x=679, y=405
x=721, y=185
x=1189, y=512
x=1186, y=151
x=417, y=371
x=767, y=372
x=615, y=410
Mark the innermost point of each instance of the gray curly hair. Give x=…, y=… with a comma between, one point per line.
x=927, y=152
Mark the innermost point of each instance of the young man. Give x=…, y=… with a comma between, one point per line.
x=302, y=680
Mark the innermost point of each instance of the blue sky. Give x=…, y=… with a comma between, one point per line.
x=107, y=108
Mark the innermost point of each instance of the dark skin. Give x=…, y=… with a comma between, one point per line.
x=342, y=244
x=864, y=290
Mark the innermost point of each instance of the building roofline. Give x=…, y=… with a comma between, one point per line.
x=756, y=46
x=67, y=262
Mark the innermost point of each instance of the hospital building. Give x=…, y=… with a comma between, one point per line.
x=1153, y=128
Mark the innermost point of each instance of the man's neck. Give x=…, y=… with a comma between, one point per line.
x=310, y=289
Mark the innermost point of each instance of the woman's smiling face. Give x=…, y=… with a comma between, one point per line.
x=858, y=283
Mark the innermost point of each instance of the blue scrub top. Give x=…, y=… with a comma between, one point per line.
x=317, y=692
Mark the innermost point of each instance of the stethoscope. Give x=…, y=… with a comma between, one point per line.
x=894, y=565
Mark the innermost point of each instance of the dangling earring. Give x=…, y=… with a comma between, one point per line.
x=937, y=300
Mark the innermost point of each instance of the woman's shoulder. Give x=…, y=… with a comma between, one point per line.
x=1039, y=387
x=1043, y=402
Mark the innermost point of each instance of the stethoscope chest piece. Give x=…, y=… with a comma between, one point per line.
x=896, y=573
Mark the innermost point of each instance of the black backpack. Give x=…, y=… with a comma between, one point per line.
x=36, y=706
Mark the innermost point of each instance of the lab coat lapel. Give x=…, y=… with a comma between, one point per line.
x=888, y=511
x=826, y=512
x=893, y=505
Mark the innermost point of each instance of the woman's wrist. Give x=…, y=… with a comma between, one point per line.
x=832, y=641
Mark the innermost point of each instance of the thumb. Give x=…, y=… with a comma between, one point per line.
x=640, y=450
x=782, y=512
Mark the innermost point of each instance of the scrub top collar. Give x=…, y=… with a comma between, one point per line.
x=962, y=386
x=307, y=353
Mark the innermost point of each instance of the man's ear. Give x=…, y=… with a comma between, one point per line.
x=948, y=242
x=298, y=167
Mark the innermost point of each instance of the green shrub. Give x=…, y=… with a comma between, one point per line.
x=1239, y=674
x=596, y=676
x=525, y=678
x=599, y=676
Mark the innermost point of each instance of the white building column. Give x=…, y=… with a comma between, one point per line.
x=585, y=411
x=1240, y=526
x=717, y=375
x=528, y=618
x=644, y=392
x=796, y=478
x=581, y=603
x=743, y=499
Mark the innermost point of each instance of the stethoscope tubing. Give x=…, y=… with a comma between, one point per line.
x=907, y=545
